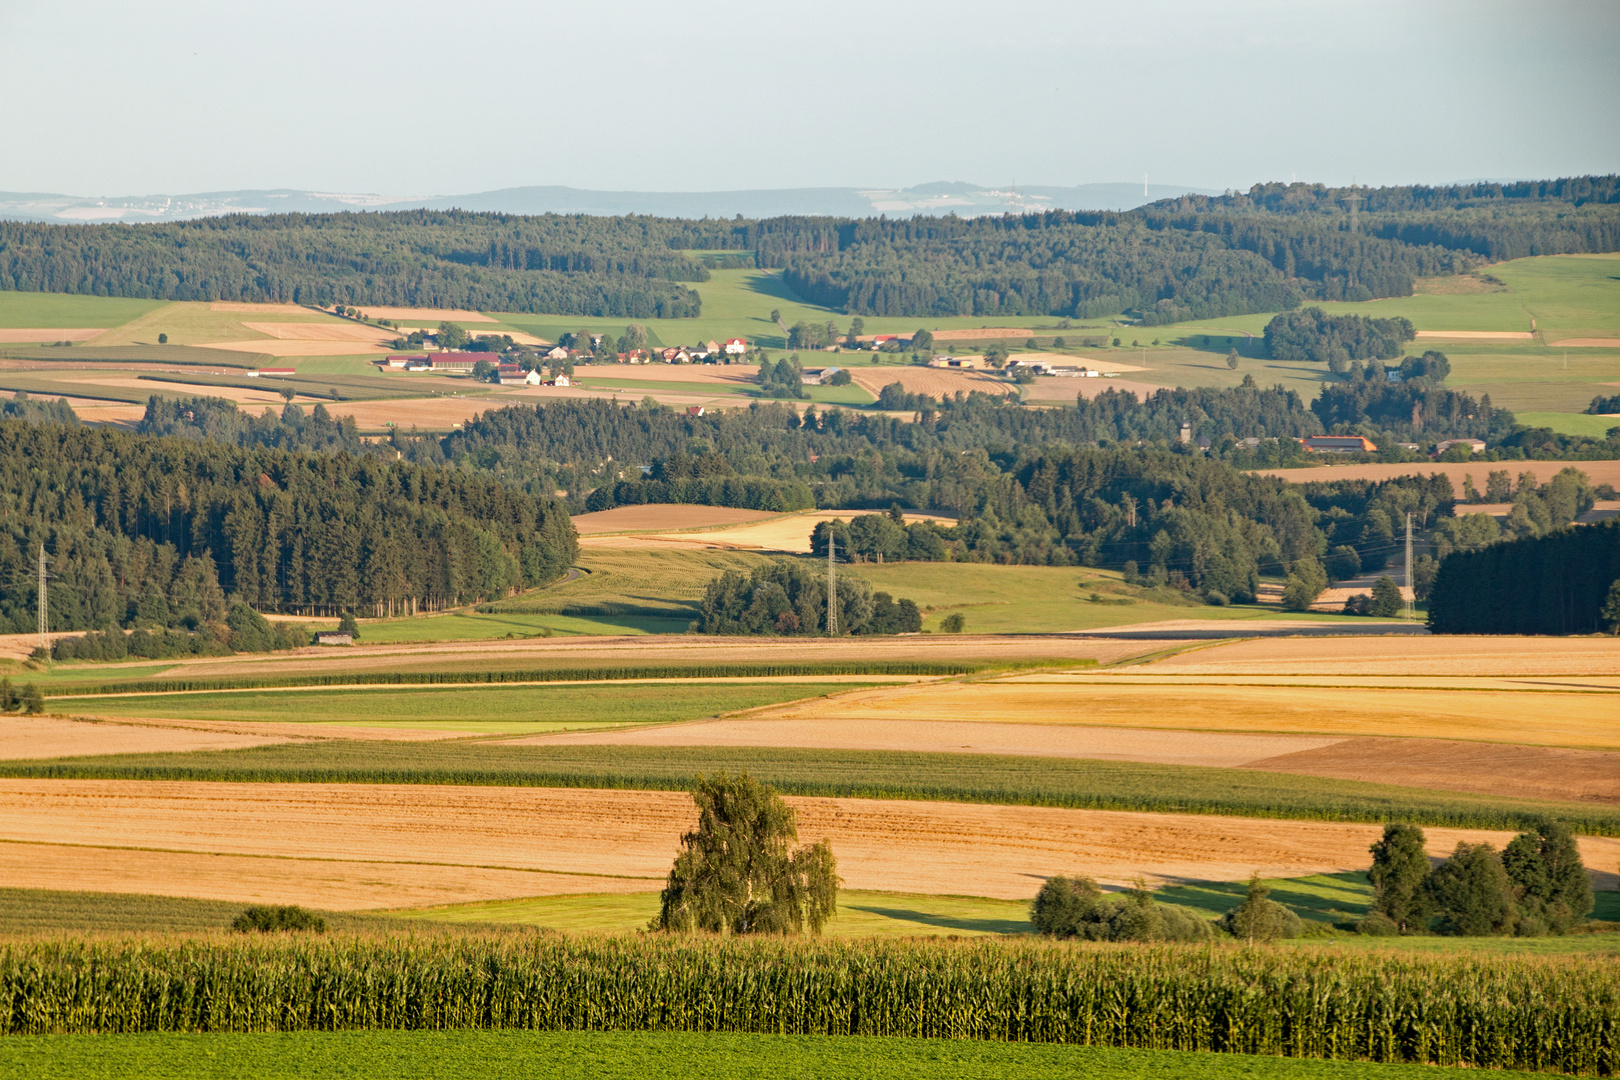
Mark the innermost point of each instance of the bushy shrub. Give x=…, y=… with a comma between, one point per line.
x=1377, y=924
x=272, y=918
x=1259, y=918
x=1074, y=907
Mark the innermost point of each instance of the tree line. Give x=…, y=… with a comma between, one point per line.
x=1536, y=885
x=566, y=265
x=170, y=532
x=1558, y=583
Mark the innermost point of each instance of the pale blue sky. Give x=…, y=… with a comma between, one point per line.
x=415, y=98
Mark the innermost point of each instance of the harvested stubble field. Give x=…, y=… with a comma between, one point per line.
x=1215, y=749
x=1582, y=720
x=338, y=835
x=935, y=382
x=783, y=532
x=1478, y=656
x=658, y=517
x=24, y=737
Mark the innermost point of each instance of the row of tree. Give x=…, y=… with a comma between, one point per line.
x=788, y=598
x=1536, y=885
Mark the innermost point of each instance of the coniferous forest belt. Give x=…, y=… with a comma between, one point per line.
x=1010, y=780
x=1488, y=1012
x=1561, y=583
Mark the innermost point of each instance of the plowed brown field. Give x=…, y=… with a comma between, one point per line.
x=358, y=841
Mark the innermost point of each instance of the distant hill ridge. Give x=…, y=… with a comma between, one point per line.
x=942, y=197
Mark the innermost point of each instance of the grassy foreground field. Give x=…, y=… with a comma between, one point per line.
x=967, y=778
x=604, y=1055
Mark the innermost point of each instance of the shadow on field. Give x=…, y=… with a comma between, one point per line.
x=1328, y=897
x=947, y=922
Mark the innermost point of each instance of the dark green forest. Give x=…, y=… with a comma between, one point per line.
x=168, y=532
x=1554, y=584
x=571, y=265
x=1269, y=249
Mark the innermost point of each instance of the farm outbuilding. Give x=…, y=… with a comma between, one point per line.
x=1339, y=444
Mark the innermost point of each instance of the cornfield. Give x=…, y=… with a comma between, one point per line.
x=1544, y=1014
x=541, y=675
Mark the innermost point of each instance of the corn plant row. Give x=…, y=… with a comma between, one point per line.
x=1539, y=1014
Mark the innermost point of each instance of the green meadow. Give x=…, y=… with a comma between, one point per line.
x=650, y=583
x=27, y=310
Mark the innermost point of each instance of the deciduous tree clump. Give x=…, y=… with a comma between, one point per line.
x=1536, y=885
x=740, y=873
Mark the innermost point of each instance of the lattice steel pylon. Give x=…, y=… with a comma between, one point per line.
x=832, y=583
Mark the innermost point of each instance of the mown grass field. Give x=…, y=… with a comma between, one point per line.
x=28, y=310
x=969, y=778
x=508, y=1055
x=471, y=709
x=622, y=591
x=667, y=584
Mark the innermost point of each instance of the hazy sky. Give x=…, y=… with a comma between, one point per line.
x=407, y=97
